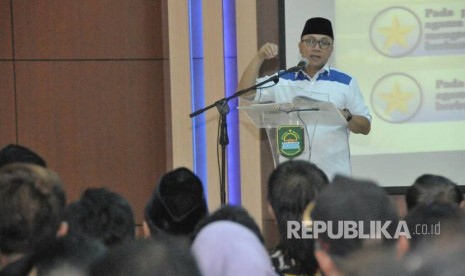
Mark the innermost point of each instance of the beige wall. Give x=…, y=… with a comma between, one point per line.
x=251, y=177
x=214, y=90
x=180, y=85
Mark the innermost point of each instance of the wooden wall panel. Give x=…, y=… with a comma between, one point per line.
x=97, y=123
x=5, y=30
x=7, y=104
x=91, y=89
x=88, y=29
x=94, y=132
x=7, y=93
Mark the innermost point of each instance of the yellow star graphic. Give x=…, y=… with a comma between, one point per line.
x=395, y=34
x=396, y=100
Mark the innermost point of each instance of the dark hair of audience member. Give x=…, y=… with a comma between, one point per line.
x=430, y=187
x=102, y=214
x=20, y=154
x=431, y=260
x=32, y=200
x=231, y=213
x=72, y=251
x=163, y=254
x=374, y=260
x=426, y=220
x=438, y=259
x=291, y=186
x=348, y=199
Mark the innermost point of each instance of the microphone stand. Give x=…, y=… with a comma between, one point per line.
x=223, y=108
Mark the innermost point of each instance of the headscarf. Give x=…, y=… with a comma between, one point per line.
x=228, y=248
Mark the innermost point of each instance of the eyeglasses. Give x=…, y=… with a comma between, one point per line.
x=311, y=42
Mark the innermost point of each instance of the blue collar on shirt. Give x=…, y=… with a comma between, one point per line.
x=302, y=75
x=326, y=73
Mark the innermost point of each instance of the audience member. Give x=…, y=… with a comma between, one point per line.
x=32, y=200
x=426, y=220
x=432, y=259
x=95, y=235
x=430, y=187
x=164, y=254
x=228, y=248
x=177, y=204
x=231, y=213
x=438, y=259
x=71, y=253
x=356, y=201
x=291, y=187
x=374, y=260
x=16, y=153
x=102, y=214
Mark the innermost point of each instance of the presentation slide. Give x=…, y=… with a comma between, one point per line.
x=409, y=59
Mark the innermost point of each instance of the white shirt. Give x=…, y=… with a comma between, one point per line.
x=327, y=146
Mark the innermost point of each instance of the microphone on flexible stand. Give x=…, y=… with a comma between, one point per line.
x=300, y=66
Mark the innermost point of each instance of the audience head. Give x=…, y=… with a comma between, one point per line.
x=426, y=220
x=69, y=255
x=231, y=213
x=228, y=248
x=102, y=214
x=432, y=260
x=437, y=259
x=164, y=254
x=32, y=200
x=360, y=202
x=20, y=154
x=430, y=187
x=291, y=187
x=375, y=260
x=177, y=204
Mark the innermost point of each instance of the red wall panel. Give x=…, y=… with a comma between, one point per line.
x=7, y=104
x=88, y=29
x=89, y=83
x=5, y=30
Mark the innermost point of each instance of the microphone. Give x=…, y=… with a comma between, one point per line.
x=300, y=66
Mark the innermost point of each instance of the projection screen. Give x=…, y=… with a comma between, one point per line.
x=409, y=59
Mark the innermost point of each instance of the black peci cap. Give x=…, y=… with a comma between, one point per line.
x=318, y=25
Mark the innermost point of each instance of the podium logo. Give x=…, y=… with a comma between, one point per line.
x=290, y=141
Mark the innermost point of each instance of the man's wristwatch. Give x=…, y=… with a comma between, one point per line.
x=349, y=115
